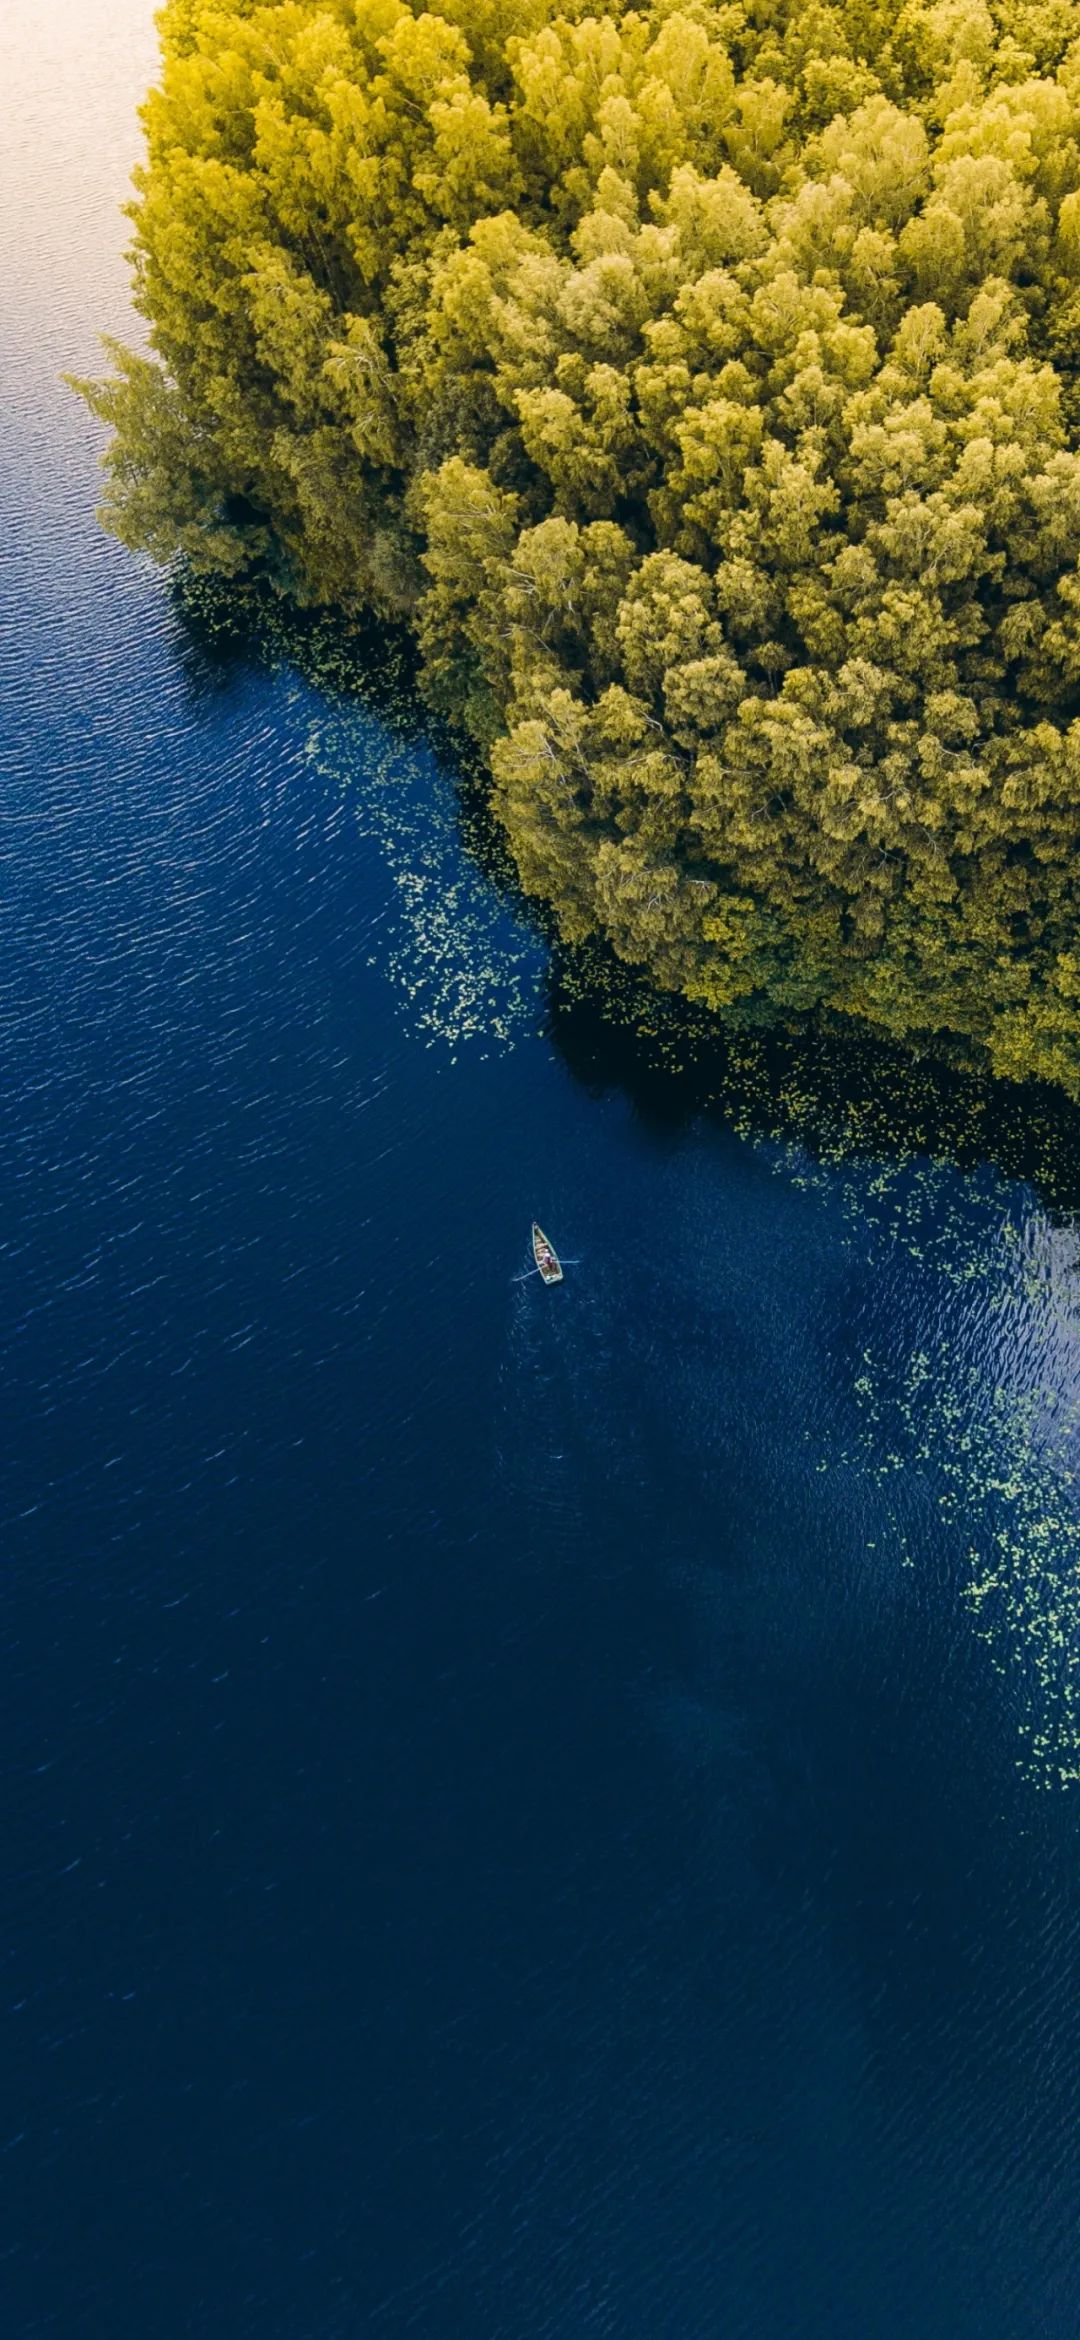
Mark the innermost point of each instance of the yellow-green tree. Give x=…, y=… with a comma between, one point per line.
x=702, y=381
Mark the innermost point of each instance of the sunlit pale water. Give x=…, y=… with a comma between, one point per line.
x=527, y=1815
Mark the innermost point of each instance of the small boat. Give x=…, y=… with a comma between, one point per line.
x=546, y=1256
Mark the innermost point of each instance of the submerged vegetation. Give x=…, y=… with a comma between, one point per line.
x=701, y=384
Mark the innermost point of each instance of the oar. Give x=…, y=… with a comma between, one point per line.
x=524, y=1277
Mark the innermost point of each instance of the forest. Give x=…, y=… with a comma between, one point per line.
x=700, y=382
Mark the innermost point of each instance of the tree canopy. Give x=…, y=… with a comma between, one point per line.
x=701, y=380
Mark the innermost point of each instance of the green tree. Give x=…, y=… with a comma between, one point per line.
x=702, y=381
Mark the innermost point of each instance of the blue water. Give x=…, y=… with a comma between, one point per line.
x=526, y=1815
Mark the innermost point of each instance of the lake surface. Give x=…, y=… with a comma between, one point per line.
x=527, y=1815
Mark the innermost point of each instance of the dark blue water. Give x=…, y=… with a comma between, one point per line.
x=526, y=1815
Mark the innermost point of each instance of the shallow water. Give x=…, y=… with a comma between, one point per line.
x=527, y=1814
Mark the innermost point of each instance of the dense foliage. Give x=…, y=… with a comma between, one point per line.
x=702, y=381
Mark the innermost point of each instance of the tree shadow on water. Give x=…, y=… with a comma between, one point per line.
x=838, y=1091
